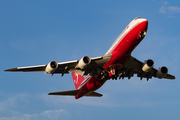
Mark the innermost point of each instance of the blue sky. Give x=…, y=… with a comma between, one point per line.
x=37, y=32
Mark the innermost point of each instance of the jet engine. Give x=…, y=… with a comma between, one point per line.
x=162, y=72
x=51, y=67
x=148, y=65
x=83, y=62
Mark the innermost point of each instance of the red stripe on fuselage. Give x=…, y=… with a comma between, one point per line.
x=120, y=54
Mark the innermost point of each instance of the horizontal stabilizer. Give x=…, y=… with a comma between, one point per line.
x=74, y=93
x=94, y=94
x=69, y=93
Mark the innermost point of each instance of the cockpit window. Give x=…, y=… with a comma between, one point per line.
x=137, y=18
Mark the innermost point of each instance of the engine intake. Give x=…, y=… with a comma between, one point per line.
x=51, y=67
x=148, y=65
x=83, y=62
x=162, y=72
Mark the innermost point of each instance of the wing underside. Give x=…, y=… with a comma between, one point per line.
x=134, y=66
x=66, y=67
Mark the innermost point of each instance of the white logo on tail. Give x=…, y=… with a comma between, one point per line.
x=76, y=80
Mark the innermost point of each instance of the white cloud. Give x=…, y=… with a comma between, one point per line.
x=174, y=9
x=166, y=9
x=12, y=109
x=163, y=8
x=45, y=115
x=12, y=101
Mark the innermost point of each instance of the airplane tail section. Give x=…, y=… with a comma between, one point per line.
x=77, y=79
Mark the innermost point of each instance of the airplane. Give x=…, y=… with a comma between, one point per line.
x=116, y=63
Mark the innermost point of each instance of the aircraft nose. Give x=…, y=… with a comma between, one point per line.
x=142, y=21
x=145, y=23
x=145, y=20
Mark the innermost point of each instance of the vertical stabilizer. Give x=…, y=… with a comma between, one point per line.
x=77, y=79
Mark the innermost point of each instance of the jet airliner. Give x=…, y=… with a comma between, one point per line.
x=116, y=63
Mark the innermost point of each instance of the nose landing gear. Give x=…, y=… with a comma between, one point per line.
x=141, y=35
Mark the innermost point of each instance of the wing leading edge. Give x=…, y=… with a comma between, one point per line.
x=38, y=68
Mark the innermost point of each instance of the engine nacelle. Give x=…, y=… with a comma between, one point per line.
x=162, y=72
x=83, y=62
x=148, y=65
x=51, y=67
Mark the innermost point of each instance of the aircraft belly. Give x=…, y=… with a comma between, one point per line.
x=92, y=85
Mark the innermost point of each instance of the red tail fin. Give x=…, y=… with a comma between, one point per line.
x=77, y=79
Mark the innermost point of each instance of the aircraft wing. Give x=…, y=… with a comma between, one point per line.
x=134, y=66
x=38, y=68
x=66, y=67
